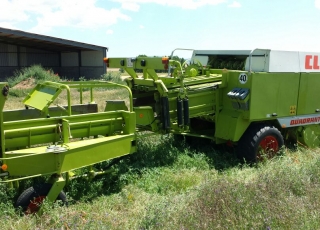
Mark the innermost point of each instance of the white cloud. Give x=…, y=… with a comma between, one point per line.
x=109, y=32
x=8, y=25
x=141, y=27
x=317, y=3
x=48, y=14
x=130, y=6
x=185, y=4
x=235, y=4
x=9, y=12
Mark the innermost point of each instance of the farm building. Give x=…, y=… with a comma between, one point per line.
x=68, y=58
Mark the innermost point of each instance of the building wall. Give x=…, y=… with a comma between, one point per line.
x=70, y=65
x=8, y=55
x=30, y=56
x=91, y=58
x=69, y=59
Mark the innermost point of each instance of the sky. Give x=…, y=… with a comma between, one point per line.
x=155, y=27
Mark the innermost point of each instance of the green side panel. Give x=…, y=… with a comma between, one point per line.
x=309, y=101
x=231, y=125
x=144, y=82
x=129, y=122
x=273, y=93
x=19, y=134
x=232, y=81
x=144, y=115
x=27, y=164
x=201, y=102
x=56, y=188
x=94, y=151
x=112, y=105
x=24, y=114
x=136, y=63
x=40, y=161
x=41, y=96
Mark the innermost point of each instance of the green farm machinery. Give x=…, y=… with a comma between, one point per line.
x=253, y=100
x=44, y=140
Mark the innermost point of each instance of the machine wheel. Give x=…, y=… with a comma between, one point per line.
x=187, y=66
x=259, y=142
x=31, y=199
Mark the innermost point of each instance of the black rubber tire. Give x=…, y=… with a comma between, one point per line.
x=34, y=192
x=291, y=141
x=250, y=143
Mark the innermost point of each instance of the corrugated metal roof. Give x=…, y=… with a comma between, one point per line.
x=21, y=38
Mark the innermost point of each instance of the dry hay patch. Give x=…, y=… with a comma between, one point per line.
x=25, y=84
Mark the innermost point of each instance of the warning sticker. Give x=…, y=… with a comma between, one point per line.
x=243, y=78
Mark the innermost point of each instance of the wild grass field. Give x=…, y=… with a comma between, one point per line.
x=170, y=184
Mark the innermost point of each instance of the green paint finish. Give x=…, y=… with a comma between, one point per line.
x=267, y=96
x=34, y=146
x=144, y=63
x=44, y=94
x=61, y=158
x=56, y=188
x=30, y=162
x=115, y=105
x=129, y=122
x=144, y=115
x=272, y=95
x=308, y=101
x=53, y=111
x=231, y=125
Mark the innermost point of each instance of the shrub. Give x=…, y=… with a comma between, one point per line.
x=36, y=72
x=113, y=77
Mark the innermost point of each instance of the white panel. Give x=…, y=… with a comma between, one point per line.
x=284, y=61
x=222, y=52
x=264, y=60
x=91, y=58
x=69, y=59
x=258, y=60
x=202, y=59
x=258, y=64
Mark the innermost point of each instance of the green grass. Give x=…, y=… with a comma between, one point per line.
x=169, y=185
x=113, y=77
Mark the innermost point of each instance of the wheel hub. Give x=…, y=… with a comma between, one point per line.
x=35, y=204
x=268, y=147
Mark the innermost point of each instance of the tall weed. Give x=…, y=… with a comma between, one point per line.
x=27, y=78
x=36, y=72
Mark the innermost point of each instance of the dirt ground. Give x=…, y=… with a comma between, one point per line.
x=26, y=84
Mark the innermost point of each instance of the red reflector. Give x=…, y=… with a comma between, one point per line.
x=106, y=60
x=4, y=167
x=165, y=60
